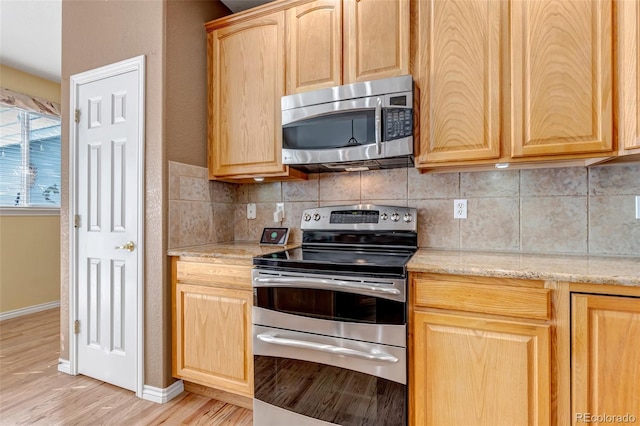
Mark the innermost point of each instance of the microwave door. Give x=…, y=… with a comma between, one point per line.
x=329, y=109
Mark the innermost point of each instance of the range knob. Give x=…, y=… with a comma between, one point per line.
x=395, y=216
x=316, y=216
x=384, y=216
x=407, y=217
x=306, y=217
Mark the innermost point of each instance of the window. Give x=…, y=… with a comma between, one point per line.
x=30, y=153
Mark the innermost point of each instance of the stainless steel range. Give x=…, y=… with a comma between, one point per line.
x=330, y=320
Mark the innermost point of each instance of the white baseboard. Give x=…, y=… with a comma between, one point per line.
x=161, y=396
x=64, y=366
x=28, y=310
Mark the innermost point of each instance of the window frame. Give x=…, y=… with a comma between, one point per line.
x=42, y=107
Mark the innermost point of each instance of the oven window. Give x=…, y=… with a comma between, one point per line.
x=329, y=393
x=331, y=305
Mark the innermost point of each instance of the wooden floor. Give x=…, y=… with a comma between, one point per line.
x=33, y=392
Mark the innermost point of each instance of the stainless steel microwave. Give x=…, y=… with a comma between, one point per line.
x=360, y=126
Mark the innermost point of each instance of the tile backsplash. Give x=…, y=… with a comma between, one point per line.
x=565, y=210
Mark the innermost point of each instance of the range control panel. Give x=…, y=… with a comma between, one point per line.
x=360, y=217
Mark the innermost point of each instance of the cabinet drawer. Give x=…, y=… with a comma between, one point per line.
x=235, y=276
x=521, y=302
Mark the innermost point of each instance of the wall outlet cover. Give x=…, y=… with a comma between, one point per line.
x=460, y=209
x=251, y=211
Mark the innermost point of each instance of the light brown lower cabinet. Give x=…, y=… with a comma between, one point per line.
x=475, y=371
x=502, y=351
x=212, y=326
x=478, y=357
x=605, y=355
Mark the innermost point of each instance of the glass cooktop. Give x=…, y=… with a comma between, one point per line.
x=343, y=260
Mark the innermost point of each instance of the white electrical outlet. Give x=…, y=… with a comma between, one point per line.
x=459, y=209
x=278, y=215
x=637, y=206
x=251, y=211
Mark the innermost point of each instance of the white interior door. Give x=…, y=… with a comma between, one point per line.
x=108, y=204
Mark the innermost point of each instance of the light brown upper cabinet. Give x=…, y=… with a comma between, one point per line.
x=314, y=46
x=517, y=81
x=628, y=41
x=461, y=46
x=246, y=80
x=376, y=39
x=284, y=47
x=561, y=93
x=334, y=42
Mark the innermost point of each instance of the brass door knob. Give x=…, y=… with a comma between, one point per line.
x=128, y=246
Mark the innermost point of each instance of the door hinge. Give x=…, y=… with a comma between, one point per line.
x=77, y=116
x=76, y=221
x=76, y=326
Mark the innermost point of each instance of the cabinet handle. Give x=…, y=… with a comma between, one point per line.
x=321, y=347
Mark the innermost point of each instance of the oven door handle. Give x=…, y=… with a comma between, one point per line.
x=335, y=350
x=322, y=284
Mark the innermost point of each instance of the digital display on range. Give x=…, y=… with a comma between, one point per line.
x=354, y=216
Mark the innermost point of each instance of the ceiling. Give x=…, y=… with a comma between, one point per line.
x=30, y=36
x=239, y=5
x=31, y=33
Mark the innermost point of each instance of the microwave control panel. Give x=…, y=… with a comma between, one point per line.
x=398, y=123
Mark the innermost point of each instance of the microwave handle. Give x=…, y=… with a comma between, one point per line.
x=378, y=132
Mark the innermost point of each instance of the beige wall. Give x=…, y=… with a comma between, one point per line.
x=99, y=33
x=29, y=245
x=18, y=81
x=186, y=79
x=29, y=261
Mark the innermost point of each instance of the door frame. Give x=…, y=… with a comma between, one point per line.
x=133, y=64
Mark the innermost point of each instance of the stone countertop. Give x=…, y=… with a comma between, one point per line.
x=572, y=268
x=579, y=269
x=229, y=250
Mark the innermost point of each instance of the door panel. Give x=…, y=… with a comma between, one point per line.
x=562, y=85
x=476, y=371
x=628, y=63
x=314, y=43
x=107, y=202
x=460, y=60
x=246, y=83
x=376, y=39
x=604, y=356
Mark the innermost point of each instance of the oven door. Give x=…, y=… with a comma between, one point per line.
x=309, y=379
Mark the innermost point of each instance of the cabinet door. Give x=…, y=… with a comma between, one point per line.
x=472, y=371
x=628, y=62
x=213, y=337
x=605, y=361
x=460, y=77
x=376, y=39
x=246, y=81
x=561, y=86
x=314, y=46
